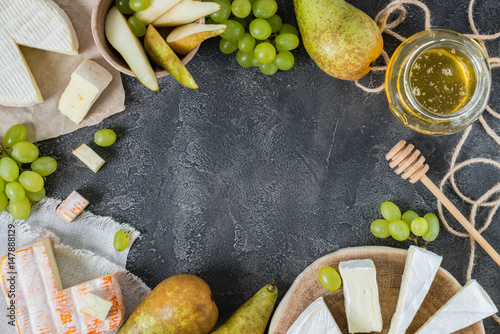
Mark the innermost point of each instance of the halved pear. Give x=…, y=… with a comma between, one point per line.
x=124, y=41
x=155, y=10
x=184, y=12
x=185, y=38
x=159, y=51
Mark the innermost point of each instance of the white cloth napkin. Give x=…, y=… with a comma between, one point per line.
x=84, y=250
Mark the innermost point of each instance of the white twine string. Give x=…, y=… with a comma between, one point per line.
x=485, y=200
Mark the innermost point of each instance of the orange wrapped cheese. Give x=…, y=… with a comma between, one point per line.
x=31, y=282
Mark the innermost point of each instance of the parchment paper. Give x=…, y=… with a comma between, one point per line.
x=52, y=72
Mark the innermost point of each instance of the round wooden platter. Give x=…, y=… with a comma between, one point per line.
x=389, y=263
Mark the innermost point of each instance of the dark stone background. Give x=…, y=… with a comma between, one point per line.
x=251, y=174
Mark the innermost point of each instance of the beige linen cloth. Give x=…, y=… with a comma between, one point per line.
x=52, y=73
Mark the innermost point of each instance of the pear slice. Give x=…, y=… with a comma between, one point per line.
x=184, y=12
x=159, y=51
x=124, y=41
x=185, y=38
x=155, y=10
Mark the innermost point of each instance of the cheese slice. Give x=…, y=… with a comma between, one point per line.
x=361, y=297
x=86, y=85
x=89, y=157
x=468, y=306
x=315, y=319
x=40, y=24
x=72, y=206
x=42, y=306
x=96, y=306
x=420, y=269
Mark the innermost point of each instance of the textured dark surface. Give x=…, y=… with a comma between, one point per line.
x=251, y=174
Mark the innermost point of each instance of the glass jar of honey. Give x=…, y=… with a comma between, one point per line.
x=438, y=82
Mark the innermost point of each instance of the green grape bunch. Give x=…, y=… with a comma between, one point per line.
x=257, y=33
x=22, y=172
x=402, y=226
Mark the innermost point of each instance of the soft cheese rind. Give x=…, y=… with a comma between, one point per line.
x=361, y=296
x=40, y=24
x=316, y=318
x=420, y=269
x=468, y=306
x=86, y=85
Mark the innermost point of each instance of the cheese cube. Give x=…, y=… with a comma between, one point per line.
x=96, y=306
x=86, y=85
x=89, y=157
x=72, y=206
x=420, y=269
x=41, y=304
x=468, y=306
x=362, y=304
x=316, y=318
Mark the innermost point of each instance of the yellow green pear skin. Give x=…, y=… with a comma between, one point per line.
x=341, y=39
x=253, y=316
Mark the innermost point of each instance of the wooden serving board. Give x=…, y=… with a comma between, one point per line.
x=390, y=264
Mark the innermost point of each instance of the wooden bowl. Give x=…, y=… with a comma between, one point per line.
x=390, y=264
x=113, y=57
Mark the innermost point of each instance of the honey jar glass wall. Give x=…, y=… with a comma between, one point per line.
x=438, y=82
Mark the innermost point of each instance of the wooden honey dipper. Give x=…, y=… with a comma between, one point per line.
x=410, y=164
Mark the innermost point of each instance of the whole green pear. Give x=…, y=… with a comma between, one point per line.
x=253, y=316
x=341, y=39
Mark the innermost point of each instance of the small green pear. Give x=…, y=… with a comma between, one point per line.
x=341, y=39
x=253, y=316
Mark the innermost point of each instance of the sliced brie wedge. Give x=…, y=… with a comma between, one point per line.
x=362, y=306
x=468, y=306
x=315, y=319
x=420, y=269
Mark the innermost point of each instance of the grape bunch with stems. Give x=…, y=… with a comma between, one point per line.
x=22, y=172
x=258, y=34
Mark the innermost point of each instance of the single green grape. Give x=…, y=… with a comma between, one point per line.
x=14, y=191
x=246, y=43
x=234, y=30
x=20, y=209
x=329, y=278
x=25, y=152
x=269, y=68
x=380, y=228
x=228, y=47
x=264, y=8
x=139, y=5
x=433, y=231
x=265, y=52
x=245, y=59
x=44, y=166
x=286, y=41
x=123, y=7
x=3, y=201
x=260, y=29
x=36, y=196
x=275, y=22
x=284, y=60
x=288, y=28
x=137, y=26
x=419, y=226
x=14, y=135
x=9, y=170
x=241, y=8
x=390, y=211
x=408, y=217
x=31, y=181
x=223, y=13
x=399, y=230
x=120, y=241
x=105, y=137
